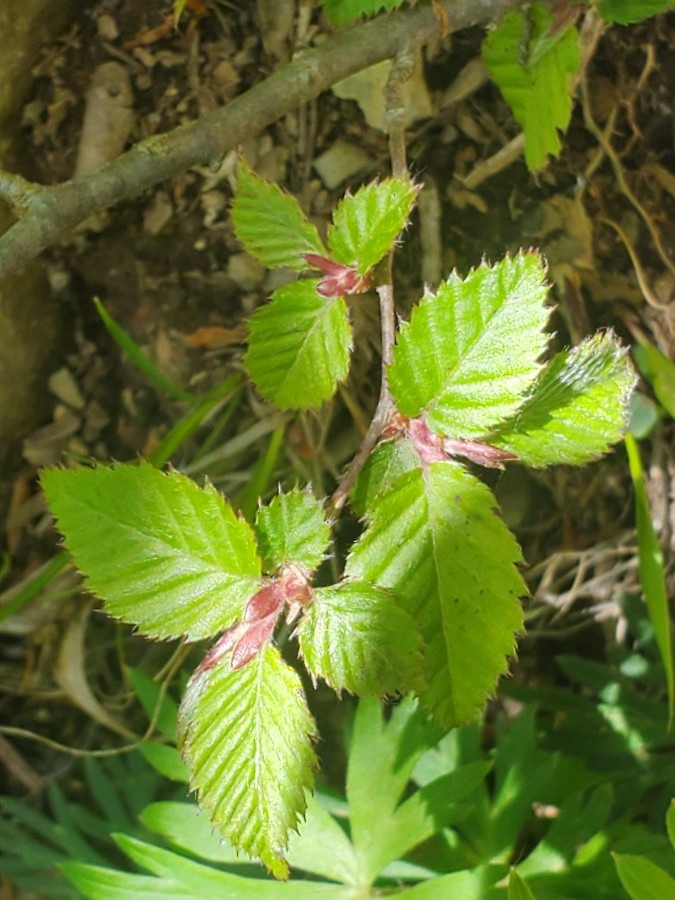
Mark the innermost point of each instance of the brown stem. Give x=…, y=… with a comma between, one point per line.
x=52, y=211
x=384, y=407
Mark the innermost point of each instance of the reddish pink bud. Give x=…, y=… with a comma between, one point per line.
x=252, y=641
x=478, y=452
x=340, y=279
x=265, y=602
x=428, y=444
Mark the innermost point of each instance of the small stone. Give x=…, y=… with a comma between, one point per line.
x=63, y=385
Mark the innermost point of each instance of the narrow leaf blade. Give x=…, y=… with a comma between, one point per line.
x=292, y=529
x=652, y=571
x=366, y=223
x=643, y=879
x=576, y=410
x=247, y=738
x=299, y=346
x=434, y=539
x=270, y=223
x=358, y=639
x=341, y=12
x=470, y=351
x=160, y=551
x=625, y=12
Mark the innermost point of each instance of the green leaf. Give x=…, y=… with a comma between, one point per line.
x=322, y=847
x=470, y=351
x=160, y=708
x=247, y=738
x=366, y=223
x=533, y=67
x=624, y=12
x=652, y=571
x=659, y=371
x=518, y=889
x=358, y=639
x=98, y=883
x=434, y=539
x=577, y=408
x=164, y=759
x=382, y=756
x=670, y=822
x=299, y=346
x=160, y=551
x=341, y=12
x=270, y=223
x=642, y=879
x=185, y=827
x=292, y=529
x=387, y=461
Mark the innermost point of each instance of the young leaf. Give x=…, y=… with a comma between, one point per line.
x=533, y=66
x=270, y=224
x=161, y=552
x=247, y=738
x=366, y=223
x=625, y=12
x=434, y=539
x=341, y=12
x=642, y=879
x=292, y=529
x=387, y=461
x=518, y=889
x=577, y=408
x=358, y=639
x=299, y=346
x=470, y=351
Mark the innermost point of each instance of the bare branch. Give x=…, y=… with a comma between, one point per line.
x=51, y=211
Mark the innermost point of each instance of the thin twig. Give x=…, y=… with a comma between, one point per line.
x=384, y=404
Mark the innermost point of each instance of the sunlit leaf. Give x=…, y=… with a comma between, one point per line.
x=577, y=408
x=624, y=12
x=389, y=460
x=470, y=351
x=518, y=889
x=161, y=552
x=366, y=223
x=435, y=540
x=292, y=529
x=533, y=66
x=270, y=223
x=247, y=738
x=299, y=346
x=358, y=639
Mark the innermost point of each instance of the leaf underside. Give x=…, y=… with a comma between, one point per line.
x=578, y=406
x=471, y=350
x=299, y=346
x=161, y=552
x=247, y=738
x=434, y=539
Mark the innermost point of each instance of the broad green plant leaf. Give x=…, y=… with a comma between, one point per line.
x=270, y=223
x=576, y=409
x=643, y=879
x=533, y=65
x=247, y=738
x=518, y=889
x=292, y=529
x=652, y=571
x=471, y=350
x=435, y=540
x=625, y=12
x=670, y=822
x=387, y=461
x=341, y=12
x=659, y=371
x=161, y=552
x=299, y=346
x=366, y=223
x=358, y=639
